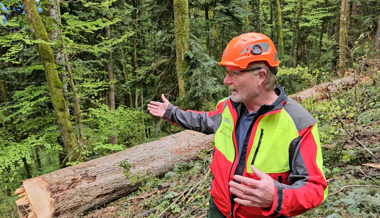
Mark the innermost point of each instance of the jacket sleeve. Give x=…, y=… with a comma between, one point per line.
x=205, y=122
x=308, y=186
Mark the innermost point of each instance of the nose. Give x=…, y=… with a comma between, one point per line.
x=227, y=80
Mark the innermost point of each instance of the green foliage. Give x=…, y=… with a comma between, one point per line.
x=101, y=123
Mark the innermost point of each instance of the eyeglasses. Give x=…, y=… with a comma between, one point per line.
x=234, y=74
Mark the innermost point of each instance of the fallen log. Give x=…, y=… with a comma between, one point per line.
x=319, y=92
x=71, y=191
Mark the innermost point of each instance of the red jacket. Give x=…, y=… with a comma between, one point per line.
x=282, y=141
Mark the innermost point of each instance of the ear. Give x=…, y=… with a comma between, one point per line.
x=262, y=74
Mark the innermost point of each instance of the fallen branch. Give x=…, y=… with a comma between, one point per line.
x=348, y=186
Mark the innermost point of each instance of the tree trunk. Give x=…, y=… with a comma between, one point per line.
x=319, y=92
x=77, y=112
x=73, y=190
x=343, y=37
x=53, y=81
x=111, y=86
x=54, y=12
x=256, y=19
x=280, y=37
x=323, y=30
x=246, y=19
x=181, y=26
x=297, y=26
x=377, y=45
x=207, y=19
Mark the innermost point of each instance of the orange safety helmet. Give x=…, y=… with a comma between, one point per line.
x=248, y=48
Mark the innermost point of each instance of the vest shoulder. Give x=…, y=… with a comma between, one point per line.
x=301, y=117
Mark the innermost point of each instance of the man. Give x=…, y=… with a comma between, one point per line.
x=267, y=157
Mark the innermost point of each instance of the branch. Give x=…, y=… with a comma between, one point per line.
x=347, y=186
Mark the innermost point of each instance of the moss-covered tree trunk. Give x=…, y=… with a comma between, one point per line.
x=297, y=26
x=77, y=110
x=246, y=18
x=53, y=81
x=280, y=37
x=181, y=26
x=343, y=37
x=256, y=20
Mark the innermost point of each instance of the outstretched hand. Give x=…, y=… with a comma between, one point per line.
x=158, y=108
x=255, y=193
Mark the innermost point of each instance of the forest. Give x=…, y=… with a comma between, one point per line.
x=76, y=77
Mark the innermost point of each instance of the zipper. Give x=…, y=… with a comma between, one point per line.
x=258, y=146
x=239, y=170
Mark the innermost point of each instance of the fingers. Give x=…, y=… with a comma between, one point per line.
x=251, y=182
x=164, y=99
x=258, y=173
x=242, y=191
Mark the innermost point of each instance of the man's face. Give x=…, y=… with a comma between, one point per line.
x=244, y=85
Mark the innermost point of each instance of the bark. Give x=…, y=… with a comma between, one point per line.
x=319, y=92
x=125, y=73
x=377, y=45
x=343, y=37
x=111, y=82
x=135, y=17
x=53, y=81
x=181, y=26
x=246, y=19
x=73, y=190
x=280, y=37
x=77, y=112
x=295, y=62
x=53, y=12
x=207, y=19
x=323, y=30
x=256, y=19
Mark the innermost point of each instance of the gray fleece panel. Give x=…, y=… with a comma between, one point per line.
x=301, y=117
x=200, y=122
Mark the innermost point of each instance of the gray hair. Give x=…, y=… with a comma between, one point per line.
x=270, y=80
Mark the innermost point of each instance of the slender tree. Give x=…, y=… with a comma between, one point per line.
x=111, y=85
x=343, y=37
x=297, y=27
x=280, y=36
x=53, y=81
x=377, y=45
x=77, y=110
x=246, y=18
x=181, y=26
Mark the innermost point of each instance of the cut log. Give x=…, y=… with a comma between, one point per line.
x=319, y=92
x=71, y=191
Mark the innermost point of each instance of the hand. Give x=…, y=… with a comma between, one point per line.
x=258, y=193
x=157, y=108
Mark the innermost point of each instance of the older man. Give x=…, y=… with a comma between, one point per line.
x=267, y=158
